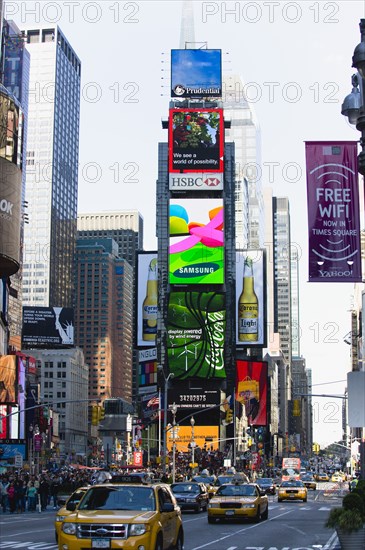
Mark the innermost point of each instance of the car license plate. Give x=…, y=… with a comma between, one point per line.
x=100, y=543
x=229, y=512
x=291, y=496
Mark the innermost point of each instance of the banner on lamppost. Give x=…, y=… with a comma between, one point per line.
x=333, y=212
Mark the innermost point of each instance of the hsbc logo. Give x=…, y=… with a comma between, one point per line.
x=195, y=181
x=212, y=182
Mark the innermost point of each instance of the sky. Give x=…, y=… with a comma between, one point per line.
x=295, y=59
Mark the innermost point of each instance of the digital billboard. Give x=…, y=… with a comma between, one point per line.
x=48, y=326
x=196, y=140
x=203, y=435
x=196, y=73
x=251, y=390
x=251, y=298
x=196, y=253
x=147, y=284
x=8, y=379
x=196, y=323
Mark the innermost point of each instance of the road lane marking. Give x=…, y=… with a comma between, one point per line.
x=238, y=532
x=332, y=542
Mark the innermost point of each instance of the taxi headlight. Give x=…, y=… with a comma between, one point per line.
x=69, y=528
x=249, y=505
x=60, y=518
x=137, y=529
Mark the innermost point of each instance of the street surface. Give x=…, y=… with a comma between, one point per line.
x=291, y=526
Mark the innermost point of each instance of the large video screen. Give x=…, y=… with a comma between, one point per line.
x=196, y=140
x=251, y=390
x=196, y=73
x=147, y=290
x=48, y=326
x=196, y=254
x=8, y=379
x=196, y=323
x=250, y=298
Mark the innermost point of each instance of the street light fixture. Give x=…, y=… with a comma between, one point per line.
x=166, y=387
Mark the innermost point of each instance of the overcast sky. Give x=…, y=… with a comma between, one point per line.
x=295, y=58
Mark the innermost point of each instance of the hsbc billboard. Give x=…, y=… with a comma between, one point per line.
x=198, y=181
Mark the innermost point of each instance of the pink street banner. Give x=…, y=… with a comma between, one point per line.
x=333, y=212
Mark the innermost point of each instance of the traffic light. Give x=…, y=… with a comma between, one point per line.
x=94, y=415
x=101, y=413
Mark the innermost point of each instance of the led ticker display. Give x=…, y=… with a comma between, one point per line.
x=196, y=140
x=196, y=253
x=196, y=323
x=196, y=73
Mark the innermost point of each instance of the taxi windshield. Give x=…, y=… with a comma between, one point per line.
x=119, y=498
x=292, y=484
x=185, y=488
x=236, y=491
x=204, y=479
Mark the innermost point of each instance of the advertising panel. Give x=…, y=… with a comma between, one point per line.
x=196, y=140
x=194, y=398
x=203, y=435
x=251, y=298
x=251, y=390
x=150, y=405
x=147, y=284
x=147, y=373
x=333, y=212
x=196, y=73
x=196, y=253
x=9, y=448
x=3, y=423
x=8, y=379
x=10, y=196
x=199, y=181
x=48, y=326
x=196, y=323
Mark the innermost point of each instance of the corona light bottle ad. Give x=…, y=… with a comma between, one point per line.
x=248, y=306
x=149, y=307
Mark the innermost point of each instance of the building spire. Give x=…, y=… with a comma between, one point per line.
x=187, y=34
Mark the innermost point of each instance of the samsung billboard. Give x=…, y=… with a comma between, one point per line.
x=196, y=139
x=196, y=253
x=48, y=326
x=196, y=73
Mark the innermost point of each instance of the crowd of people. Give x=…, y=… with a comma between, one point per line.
x=21, y=491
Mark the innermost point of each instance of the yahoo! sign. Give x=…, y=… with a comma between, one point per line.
x=333, y=212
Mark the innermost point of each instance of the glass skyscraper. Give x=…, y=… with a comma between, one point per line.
x=52, y=168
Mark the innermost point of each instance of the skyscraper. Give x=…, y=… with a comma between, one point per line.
x=103, y=321
x=282, y=298
x=245, y=132
x=124, y=226
x=52, y=168
x=15, y=65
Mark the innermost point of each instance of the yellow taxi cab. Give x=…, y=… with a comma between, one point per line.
x=309, y=481
x=322, y=477
x=238, y=501
x=131, y=515
x=63, y=512
x=208, y=481
x=338, y=477
x=292, y=490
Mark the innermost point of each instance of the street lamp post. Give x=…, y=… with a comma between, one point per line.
x=166, y=387
x=353, y=107
x=192, y=422
x=174, y=411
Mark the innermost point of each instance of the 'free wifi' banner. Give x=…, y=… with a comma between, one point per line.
x=333, y=212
